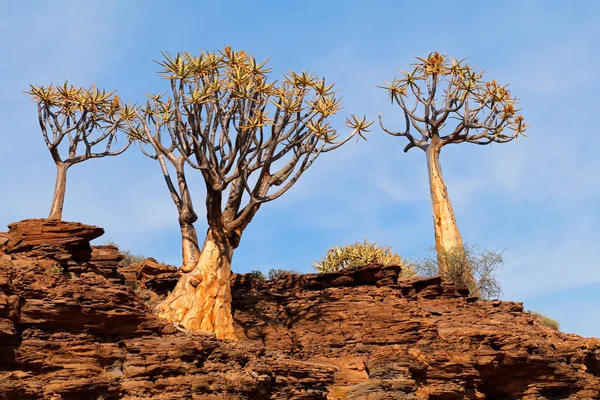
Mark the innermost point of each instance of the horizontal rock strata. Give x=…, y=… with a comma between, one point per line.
x=77, y=324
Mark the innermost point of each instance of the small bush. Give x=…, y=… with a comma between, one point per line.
x=360, y=254
x=128, y=257
x=461, y=264
x=547, y=321
x=56, y=269
x=258, y=275
x=131, y=258
x=277, y=273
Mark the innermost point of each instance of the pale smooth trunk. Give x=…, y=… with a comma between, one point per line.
x=201, y=300
x=447, y=237
x=60, y=187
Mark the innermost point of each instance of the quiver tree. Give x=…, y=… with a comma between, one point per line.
x=82, y=123
x=251, y=140
x=445, y=101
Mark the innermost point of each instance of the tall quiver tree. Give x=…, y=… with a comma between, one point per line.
x=251, y=139
x=445, y=101
x=83, y=123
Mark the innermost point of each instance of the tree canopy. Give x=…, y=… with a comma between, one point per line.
x=89, y=118
x=445, y=97
x=247, y=135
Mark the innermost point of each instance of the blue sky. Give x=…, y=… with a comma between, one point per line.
x=540, y=199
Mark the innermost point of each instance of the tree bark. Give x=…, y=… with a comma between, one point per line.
x=201, y=300
x=60, y=187
x=190, y=250
x=189, y=246
x=447, y=237
x=448, y=242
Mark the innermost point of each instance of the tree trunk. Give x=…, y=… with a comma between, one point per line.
x=190, y=250
x=447, y=237
x=60, y=187
x=189, y=246
x=201, y=300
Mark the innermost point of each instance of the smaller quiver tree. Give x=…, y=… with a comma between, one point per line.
x=83, y=123
x=445, y=101
x=251, y=140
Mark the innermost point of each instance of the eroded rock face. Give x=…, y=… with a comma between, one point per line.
x=72, y=327
x=151, y=275
x=396, y=338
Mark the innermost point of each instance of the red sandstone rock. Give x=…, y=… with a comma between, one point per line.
x=32, y=234
x=418, y=337
x=155, y=276
x=70, y=328
x=105, y=260
x=70, y=331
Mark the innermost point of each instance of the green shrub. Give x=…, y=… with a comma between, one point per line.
x=277, y=273
x=360, y=254
x=546, y=321
x=461, y=264
x=56, y=269
x=258, y=275
x=128, y=257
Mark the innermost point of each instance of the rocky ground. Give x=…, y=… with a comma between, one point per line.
x=76, y=325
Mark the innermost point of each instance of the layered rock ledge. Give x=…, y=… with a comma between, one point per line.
x=74, y=324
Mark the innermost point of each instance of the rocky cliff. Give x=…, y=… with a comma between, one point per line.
x=76, y=325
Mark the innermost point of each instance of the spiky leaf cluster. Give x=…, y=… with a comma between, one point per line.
x=360, y=254
x=86, y=116
x=448, y=99
x=228, y=120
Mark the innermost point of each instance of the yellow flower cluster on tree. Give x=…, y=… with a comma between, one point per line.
x=444, y=88
x=360, y=254
x=67, y=107
x=236, y=85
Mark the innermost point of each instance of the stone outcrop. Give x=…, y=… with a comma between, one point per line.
x=75, y=324
x=393, y=338
x=68, y=330
x=151, y=275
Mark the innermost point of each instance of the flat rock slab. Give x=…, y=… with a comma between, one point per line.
x=30, y=234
